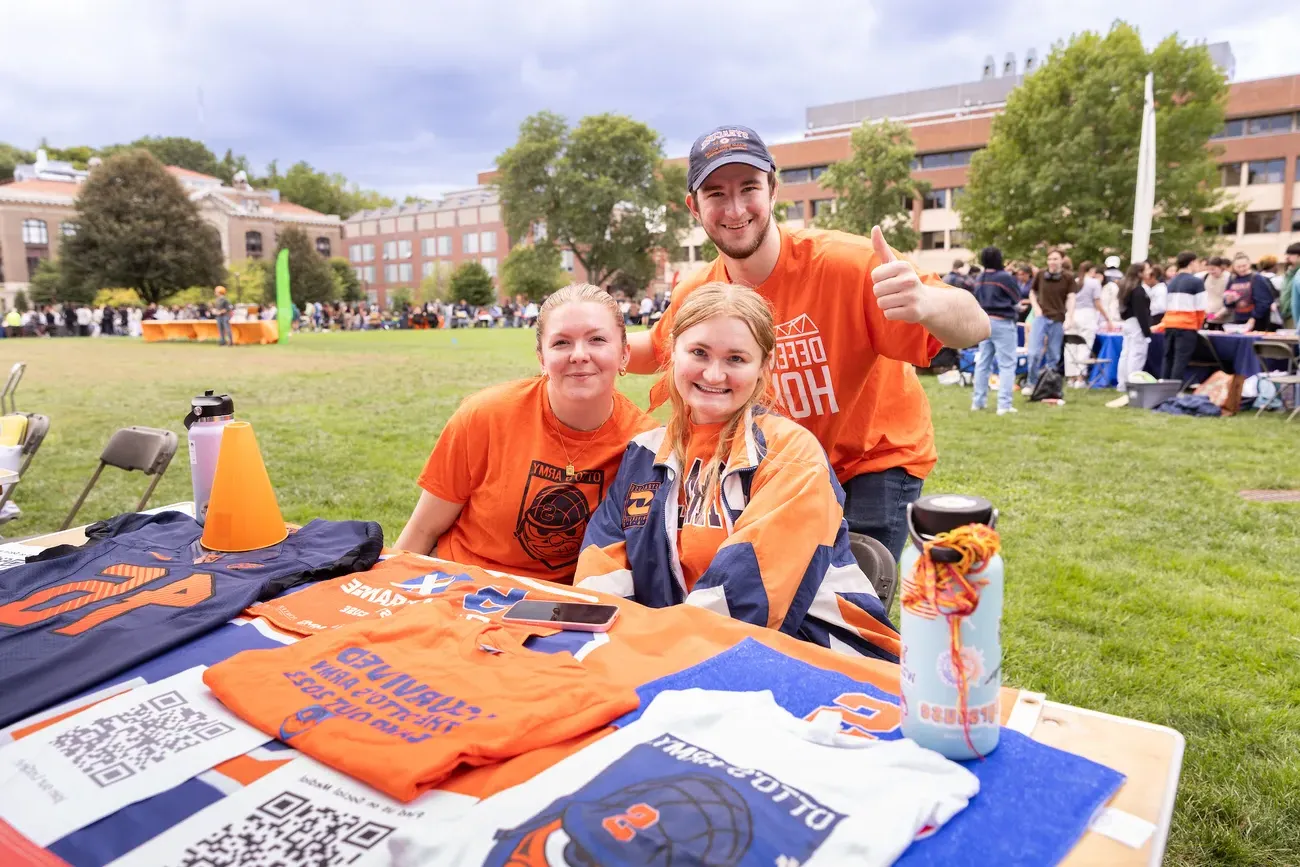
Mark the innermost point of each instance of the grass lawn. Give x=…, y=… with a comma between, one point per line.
x=1139, y=583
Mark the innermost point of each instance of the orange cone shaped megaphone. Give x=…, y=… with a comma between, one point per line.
x=242, y=512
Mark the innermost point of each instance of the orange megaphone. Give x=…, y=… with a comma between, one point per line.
x=242, y=512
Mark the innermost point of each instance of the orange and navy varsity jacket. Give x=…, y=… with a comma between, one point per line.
x=785, y=562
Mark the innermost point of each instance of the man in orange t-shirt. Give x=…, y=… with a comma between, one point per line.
x=852, y=320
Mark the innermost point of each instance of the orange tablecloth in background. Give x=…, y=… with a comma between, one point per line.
x=256, y=331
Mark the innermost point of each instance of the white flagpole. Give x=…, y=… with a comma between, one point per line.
x=1145, y=199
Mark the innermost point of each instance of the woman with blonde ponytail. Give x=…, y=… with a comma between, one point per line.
x=731, y=506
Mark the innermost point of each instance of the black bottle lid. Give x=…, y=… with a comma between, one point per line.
x=209, y=405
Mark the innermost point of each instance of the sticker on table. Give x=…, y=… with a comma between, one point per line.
x=301, y=814
x=130, y=747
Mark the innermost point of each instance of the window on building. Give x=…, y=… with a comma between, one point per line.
x=935, y=199
x=794, y=210
x=323, y=246
x=683, y=254
x=1269, y=124
x=370, y=274
x=943, y=159
x=1262, y=222
x=1230, y=175
x=1265, y=171
x=908, y=203
x=487, y=242
x=404, y=249
x=35, y=233
x=372, y=295
x=958, y=238
x=1295, y=227
x=428, y=247
x=539, y=230
x=404, y=271
x=68, y=228
x=33, y=262
x=360, y=272
x=1229, y=226
x=390, y=273
x=566, y=260
x=426, y=269
x=367, y=252
x=253, y=245
x=955, y=193
x=390, y=249
x=817, y=171
x=354, y=253
x=489, y=264
x=822, y=206
x=1231, y=129
x=933, y=241
x=444, y=245
x=469, y=242
x=796, y=176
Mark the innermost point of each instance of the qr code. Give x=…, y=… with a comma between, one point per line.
x=117, y=747
x=288, y=831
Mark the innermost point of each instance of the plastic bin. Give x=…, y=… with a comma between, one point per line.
x=1149, y=395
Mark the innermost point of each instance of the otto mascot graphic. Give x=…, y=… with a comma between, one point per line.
x=676, y=820
x=308, y=717
x=554, y=511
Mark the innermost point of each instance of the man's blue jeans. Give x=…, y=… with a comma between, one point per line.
x=1046, y=336
x=875, y=504
x=1001, y=344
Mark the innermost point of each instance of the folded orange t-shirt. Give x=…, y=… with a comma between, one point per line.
x=400, y=703
x=402, y=580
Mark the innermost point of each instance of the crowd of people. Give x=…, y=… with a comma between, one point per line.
x=1179, y=298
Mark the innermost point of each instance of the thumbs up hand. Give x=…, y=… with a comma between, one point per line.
x=899, y=291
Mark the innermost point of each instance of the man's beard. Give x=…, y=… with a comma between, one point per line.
x=749, y=249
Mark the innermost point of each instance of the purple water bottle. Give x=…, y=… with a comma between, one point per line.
x=209, y=415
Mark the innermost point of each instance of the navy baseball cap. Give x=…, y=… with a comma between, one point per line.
x=723, y=146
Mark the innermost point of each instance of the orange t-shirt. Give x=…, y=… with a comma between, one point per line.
x=841, y=369
x=400, y=703
x=401, y=580
x=701, y=528
x=503, y=454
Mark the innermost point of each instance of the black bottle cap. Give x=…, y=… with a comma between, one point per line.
x=941, y=513
x=209, y=405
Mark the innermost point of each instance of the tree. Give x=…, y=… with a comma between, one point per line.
x=472, y=282
x=250, y=282
x=345, y=278
x=399, y=298
x=311, y=278
x=50, y=286
x=601, y=189
x=137, y=228
x=436, y=286
x=532, y=270
x=230, y=164
x=186, y=153
x=11, y=157
x=329, y=194
x=1061, y=164
x=872, y=186
x=20, y=302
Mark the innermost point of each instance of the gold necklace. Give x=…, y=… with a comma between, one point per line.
x=570, y=473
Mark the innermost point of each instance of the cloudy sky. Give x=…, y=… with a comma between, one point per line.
x=417, y=97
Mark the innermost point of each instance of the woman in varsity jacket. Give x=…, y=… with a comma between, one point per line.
x=730, y=506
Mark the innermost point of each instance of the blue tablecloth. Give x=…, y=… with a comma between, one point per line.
x=1234, y=350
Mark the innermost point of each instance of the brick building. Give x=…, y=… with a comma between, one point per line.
x=397, y=248
x=38, y=209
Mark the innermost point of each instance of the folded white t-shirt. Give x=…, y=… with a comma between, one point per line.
x=720, y=778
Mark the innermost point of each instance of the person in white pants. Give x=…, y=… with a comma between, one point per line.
x=1087, y=314
x=1135, y=308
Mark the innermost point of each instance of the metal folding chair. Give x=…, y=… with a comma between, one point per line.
x=7, y=397
x=147, y=449
x=1204, y=356
x=1277, y=350
x=1080, y=352
x=875, y=560
x=37, y=427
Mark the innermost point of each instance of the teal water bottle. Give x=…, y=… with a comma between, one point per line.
x=951, y=626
